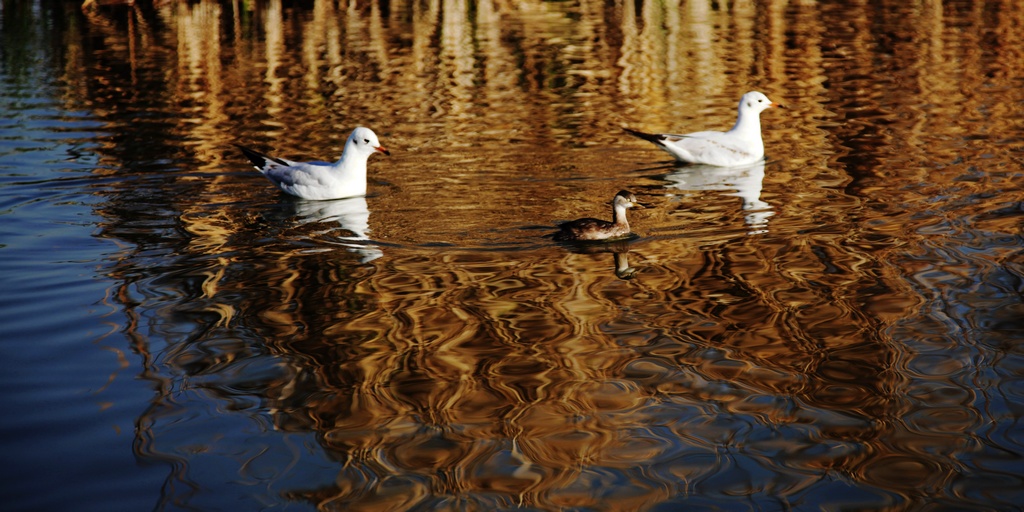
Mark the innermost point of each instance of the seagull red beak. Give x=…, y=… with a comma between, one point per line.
x=777, y=105
x=383, y=149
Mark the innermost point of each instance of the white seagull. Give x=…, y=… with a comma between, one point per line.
x=742, y=145
x=322, y=180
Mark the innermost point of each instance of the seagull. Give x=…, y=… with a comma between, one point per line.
x=741, y=145
x=322, y=180
x=590, y=229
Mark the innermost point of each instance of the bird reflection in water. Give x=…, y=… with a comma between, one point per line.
x=745, y=181
x=619, y=250
x=350, y=214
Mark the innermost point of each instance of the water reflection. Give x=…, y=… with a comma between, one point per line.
x=745, y=182
x=350, y=214
x=452, y=361
x=619, y=250
x=466, y=366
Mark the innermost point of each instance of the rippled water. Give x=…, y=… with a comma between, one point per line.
x=838, y=328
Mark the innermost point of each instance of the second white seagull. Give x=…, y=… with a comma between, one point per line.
x=742, y=145
x=322, y=180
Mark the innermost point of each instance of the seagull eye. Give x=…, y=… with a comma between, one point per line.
x=366, y=141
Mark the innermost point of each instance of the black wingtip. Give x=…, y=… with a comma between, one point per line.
x=258, y=159
x=651, y=137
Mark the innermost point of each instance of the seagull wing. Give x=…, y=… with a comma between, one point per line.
x=714, y=148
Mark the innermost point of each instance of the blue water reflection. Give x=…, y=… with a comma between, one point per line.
x=835, y=329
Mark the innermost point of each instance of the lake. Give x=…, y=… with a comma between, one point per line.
x=839, y=327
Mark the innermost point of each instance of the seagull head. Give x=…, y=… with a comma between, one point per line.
x=757, y=102
x=365, y=141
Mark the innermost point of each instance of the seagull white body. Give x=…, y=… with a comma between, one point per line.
x=742, y=145
x=322, y=180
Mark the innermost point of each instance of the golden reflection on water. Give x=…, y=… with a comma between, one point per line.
x=773, y=334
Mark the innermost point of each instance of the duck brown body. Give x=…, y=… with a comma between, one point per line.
x=591, y=229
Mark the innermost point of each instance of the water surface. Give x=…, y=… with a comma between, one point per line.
x=836, y=328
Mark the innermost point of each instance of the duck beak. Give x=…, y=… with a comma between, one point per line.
x=383, y=149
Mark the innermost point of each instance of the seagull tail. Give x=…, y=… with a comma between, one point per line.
x=258, y=159
x=650, y=137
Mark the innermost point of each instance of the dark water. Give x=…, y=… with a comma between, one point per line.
x=839, y=328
